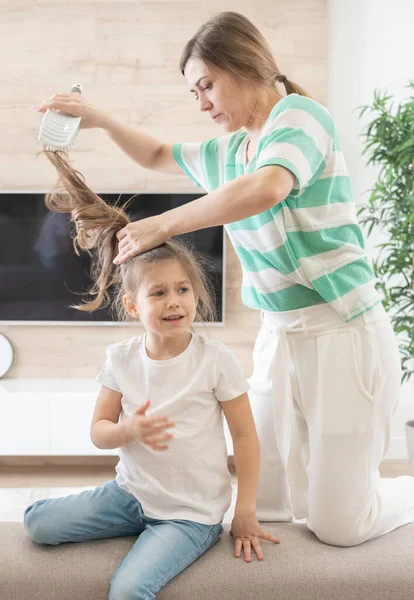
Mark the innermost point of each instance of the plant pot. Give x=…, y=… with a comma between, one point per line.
x=409, y=435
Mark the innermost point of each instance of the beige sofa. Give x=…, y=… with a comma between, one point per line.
x=300, y=568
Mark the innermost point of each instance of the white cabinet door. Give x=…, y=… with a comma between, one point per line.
x=70, y=421
x=24, y=423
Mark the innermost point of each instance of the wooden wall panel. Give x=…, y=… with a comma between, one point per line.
x=126, y=55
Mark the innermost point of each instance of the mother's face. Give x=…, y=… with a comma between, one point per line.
x=219, y=94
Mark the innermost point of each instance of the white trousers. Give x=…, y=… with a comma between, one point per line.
x=323, y=393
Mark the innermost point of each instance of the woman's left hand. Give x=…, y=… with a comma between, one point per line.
x=247, y=532
x=138, y=237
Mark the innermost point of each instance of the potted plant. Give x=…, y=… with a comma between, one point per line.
x=389, y=143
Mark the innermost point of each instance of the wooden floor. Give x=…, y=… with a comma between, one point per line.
x=58, y=473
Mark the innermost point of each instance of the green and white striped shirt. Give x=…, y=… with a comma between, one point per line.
x=308, y=249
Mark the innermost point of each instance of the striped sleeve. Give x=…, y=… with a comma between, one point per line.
x=300, y=137
x=200, y=161
x=187, y=157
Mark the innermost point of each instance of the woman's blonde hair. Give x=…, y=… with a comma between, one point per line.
x=231, y=43
x=96, y=224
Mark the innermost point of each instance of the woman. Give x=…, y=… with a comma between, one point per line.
x=326, y=366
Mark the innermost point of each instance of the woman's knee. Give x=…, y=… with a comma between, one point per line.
x=338, y=534
x=36, y=524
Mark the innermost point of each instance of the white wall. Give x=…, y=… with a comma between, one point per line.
x=371, y=47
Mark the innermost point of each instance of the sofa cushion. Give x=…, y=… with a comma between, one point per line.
x=299, y=568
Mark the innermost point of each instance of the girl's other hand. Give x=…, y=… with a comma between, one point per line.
x=75, y=105
x=149, y=430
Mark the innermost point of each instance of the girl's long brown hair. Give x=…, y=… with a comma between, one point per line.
x=231, y=43
x=96, y=224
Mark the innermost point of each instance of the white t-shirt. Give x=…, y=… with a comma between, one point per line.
x=190, y=480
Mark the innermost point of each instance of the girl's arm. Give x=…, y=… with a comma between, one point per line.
x=243, y=197
x=246, y=452
x=245, y=527
x=106, y=432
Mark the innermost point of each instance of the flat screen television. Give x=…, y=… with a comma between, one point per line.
x=41, y=275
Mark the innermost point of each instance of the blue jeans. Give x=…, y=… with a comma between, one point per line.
x=162, y=550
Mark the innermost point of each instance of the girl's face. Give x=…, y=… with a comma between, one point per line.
x=220, y=95
x=165, y=302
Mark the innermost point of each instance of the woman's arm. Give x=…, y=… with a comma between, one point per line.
x=239, y=199
x=144, y=149
x=243, y=197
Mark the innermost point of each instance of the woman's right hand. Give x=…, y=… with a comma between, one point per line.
x=149, y=430
x=76, y=105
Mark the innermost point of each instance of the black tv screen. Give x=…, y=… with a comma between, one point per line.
x=40, y=274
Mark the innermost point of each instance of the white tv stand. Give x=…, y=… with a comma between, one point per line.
x=41, y=417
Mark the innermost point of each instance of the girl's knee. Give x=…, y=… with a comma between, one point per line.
x=126, y=586
x=36, y=526
x=123, y=590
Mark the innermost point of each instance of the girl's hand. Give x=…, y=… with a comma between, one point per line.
x=247, y=532
x=149, y=430
x=75, y=105
x=138, y=237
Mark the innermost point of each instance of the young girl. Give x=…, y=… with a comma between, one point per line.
x=161, y=404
